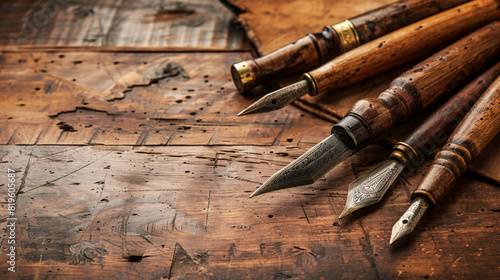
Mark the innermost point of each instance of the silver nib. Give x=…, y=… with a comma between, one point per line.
x=278, y=99
x=309, y=167
x=410, y=218
x=371, y=187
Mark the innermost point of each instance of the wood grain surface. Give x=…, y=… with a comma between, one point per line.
x=188, y=24
x=114, y=212
x=133, y=165
x=133, y=99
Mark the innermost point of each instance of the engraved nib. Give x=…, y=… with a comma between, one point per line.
x=371, y=187
x=278, y=99
x=410, y=218
x=309, y=167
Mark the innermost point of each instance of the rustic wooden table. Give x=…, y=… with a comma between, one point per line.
x=119, y=120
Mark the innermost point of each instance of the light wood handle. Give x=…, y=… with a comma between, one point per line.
x=470, y=138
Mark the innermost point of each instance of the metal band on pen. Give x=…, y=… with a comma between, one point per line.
x=312, y=83
x=247, y=76
x=404, y=152
x=348, y=36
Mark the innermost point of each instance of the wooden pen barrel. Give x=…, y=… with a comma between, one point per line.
x=434, y=78
x=404, y=45
x=315, y=49
x=436, y=129
x=391, y=17
x=476, y=130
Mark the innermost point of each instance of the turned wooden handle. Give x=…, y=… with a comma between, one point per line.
x=386, y=19
x=429, y=81
x=404, y=45
x=315, y=49
x=436, y=129
x=473, y=134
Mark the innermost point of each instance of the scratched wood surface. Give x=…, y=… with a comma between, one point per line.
x=130, y=219
x=186, y=24
x=134, y=165
x=135, y=99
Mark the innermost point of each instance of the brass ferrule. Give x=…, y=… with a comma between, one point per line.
x=348, y=35
x=243, y=76
x=404, y=153
x=312, y=82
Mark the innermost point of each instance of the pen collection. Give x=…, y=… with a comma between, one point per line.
x=456, y=48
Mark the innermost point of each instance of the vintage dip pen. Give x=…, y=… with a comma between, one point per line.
x=431, y=134
x=370, y=119
x=315, y=49
x=401, y=46
x=472, y=135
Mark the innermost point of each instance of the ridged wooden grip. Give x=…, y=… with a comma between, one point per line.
x=436, y=129
x=473, y=134
x=406, y=44
x=429, y=81
x=388, y=18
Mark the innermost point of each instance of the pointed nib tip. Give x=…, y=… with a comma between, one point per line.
x=345, y=212
x=260, y=190
x=400, y=229
x=395, y=237
x=278, y=99
x=309, y=167
x=249, y=110
x=405, y=225
x=252, y=109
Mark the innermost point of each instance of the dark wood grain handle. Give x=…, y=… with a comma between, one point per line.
x=386, y=19
x=300, y=56
x=436, y=129
x=404, y=45
x=424, y=84
x=475, y=131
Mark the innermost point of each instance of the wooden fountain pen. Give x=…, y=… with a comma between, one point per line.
x=409, y=43
x=315, y=49
x=370, y=119
x=469, y=139
x=412, y=152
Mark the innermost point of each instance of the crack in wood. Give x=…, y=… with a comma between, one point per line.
x=278, y=137
x=208, y=209
x=181, y=262
x=82, y=108
x=368, y=251
x=66, y=175
x=305, y=213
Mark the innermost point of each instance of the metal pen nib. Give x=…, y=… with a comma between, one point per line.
x=309, y=167
x=278, y=99
x=410, y=218
x=371, y=187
